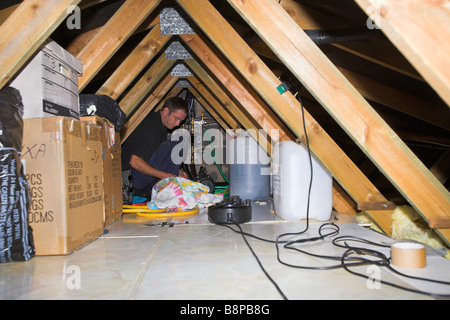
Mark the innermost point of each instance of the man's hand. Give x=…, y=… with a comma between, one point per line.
x=183, y=174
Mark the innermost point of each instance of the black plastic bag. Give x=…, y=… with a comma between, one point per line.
x=104, y=107
x=16, y=235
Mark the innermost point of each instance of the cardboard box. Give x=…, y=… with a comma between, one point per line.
x=49, y=84
x=111, y=153
x=63, y=166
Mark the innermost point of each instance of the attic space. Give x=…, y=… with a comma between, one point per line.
x=224, y=149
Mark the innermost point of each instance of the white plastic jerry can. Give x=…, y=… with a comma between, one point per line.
x=291, y=173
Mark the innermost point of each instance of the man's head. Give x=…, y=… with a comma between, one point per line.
x=174, y=112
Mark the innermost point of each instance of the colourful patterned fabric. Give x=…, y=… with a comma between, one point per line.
x=181, y=193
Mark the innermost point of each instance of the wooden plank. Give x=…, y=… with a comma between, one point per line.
x=382, y=219
x=79, y=42
x=342, y=203
x=420, y=29
x=377, y=50
x=385, y=205
x=25, y=31
x=285, y=106
x=147, y=49
x=5, y=13
x=112, y=36
x=433, y=113
x=349, y=109
x=145, y=84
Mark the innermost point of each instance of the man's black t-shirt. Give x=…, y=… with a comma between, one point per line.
x=145, y=139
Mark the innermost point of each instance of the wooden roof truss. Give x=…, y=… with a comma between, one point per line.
x=231, y=80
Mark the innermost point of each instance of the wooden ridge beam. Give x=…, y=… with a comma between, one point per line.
x=25, y=30
x=349, y=108
x=420, y=29
x=112, y=36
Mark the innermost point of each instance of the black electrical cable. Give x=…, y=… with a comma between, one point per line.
x=259, y=262
x=345, y=261
x=385, y=262
x=309, y=187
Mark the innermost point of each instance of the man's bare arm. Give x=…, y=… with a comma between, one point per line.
x=143, y=167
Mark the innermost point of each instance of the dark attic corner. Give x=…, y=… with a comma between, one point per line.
x=224, y=150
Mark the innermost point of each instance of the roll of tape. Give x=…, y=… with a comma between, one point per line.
x=408, y=255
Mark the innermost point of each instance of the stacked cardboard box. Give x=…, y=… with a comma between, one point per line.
x=64, y=168
x=68, y=163
x=112, y=168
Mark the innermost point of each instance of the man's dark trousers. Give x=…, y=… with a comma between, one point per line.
x=161, y=160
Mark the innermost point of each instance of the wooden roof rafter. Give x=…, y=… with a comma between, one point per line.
x=346, y=105
x=112, y=36
x=141, y=56
x=250, y=69
x=25, y=30
x=420, y=30
x=286, y=106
